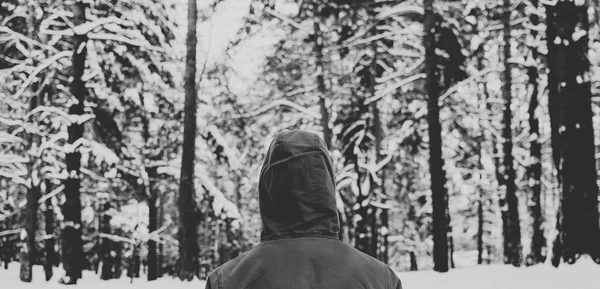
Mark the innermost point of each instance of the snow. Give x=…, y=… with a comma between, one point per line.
x=582, y=275
x=10, y=279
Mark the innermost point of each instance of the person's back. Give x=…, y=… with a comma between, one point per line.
x=300, y=248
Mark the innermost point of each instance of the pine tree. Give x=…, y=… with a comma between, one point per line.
x=572, y=131
x=72, y=246
x=538, y=242
x=436, y=163
x=510, y=203
x=188, y=247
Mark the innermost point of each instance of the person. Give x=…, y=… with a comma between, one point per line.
x=299, y=246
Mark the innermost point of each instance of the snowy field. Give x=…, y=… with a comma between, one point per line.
x=583, y=275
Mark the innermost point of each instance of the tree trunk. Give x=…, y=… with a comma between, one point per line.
x=160, y=260
x=413, y=261
x=29, y=253
x=569, y=81
x=538, y=241
x=188, y=246
x=51, y=258
x=152, y=226
x=106, y=271
x=512, y=229
x=72, y=246
x=150, y=191
x=383, y=254
x=480, y=228
x=322, y=88
x=436, y=163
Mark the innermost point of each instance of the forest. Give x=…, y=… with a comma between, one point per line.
x=462, y=132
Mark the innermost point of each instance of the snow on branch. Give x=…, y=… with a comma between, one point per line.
x=70, y=118
x=118, y=38
x=231, y=153
x=6, y=159
x=220, y=203
x=10, y=122
x=285, y=19
x=9, y=138
x=26, y=39
x=54, y=192
x=10, y=232
x=39, y=69
x=277, y=103
x=410, y=70
x=395, y=87
x=398, y=10
x=473, y=77
x=117, y=238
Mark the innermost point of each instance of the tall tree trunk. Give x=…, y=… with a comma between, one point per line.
x=160, y=259
x=106, y=270
x=151, y=193
x=480, y=227
x=51, y=258
x=72, y=245
x=29, y=253
x=571, y=112
x=188, y=236
x=436, y=163
x=538, y=241
x=484, y=106
x=512, y=229
x=321, y=87
x=152, y=226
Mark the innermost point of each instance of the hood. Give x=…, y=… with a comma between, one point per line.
x=296, y=188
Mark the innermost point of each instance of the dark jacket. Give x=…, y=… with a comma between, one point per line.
x=299, y=247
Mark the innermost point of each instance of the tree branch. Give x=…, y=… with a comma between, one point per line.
x=39, y=69
x=394, y=87
x=280, y=102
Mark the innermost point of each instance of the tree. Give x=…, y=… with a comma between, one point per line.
x=188, y=247
x=510, y=203
x=436, y=163
x=538, y=241
x=572, y=131
x=72, y=246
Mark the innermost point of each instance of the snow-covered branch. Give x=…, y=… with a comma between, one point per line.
x=395, y=87
x=39, y=69
x=277, y=103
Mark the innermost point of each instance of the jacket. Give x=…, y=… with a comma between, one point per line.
x=300, y=247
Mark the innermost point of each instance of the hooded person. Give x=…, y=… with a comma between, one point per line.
x=300, y=247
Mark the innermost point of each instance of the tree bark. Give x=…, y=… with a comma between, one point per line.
x=29, y=253
x=436, y=163
x=152, y=226
x=51, y=258
x=413, y=261
x=188, y=247
x=538, y=241
x=570, y=105
x=512, y=229
x=72, y=246
x=106, y=271
x=322, y=88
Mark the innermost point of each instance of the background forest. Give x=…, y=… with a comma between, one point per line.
x=132, y=132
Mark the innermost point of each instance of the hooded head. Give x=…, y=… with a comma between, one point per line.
x=296, y=188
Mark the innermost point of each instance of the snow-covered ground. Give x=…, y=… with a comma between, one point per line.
x=583, y=275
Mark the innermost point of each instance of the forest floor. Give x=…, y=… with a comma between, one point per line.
x=585, y=274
